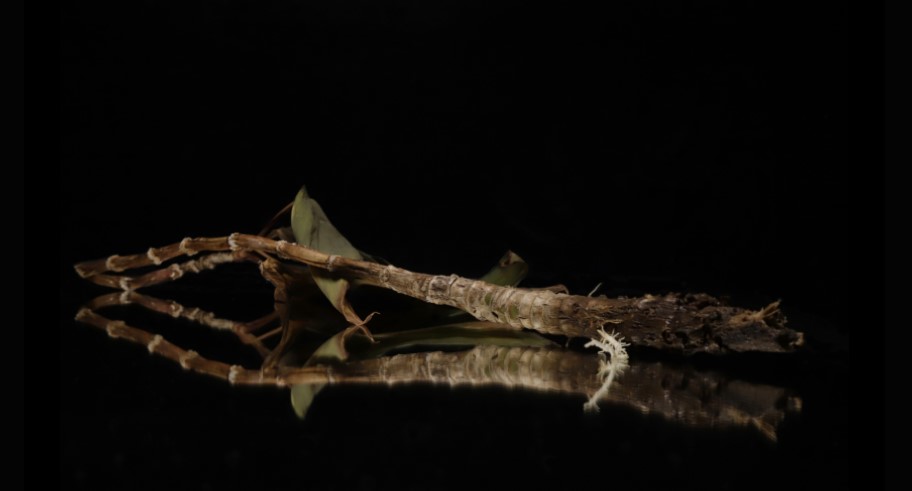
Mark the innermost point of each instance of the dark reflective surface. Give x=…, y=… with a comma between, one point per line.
x=514, y=411
x=652, y=146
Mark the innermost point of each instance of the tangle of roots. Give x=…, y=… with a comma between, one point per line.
x=613, y=360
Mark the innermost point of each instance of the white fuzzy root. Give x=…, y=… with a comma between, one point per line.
x=613, y=360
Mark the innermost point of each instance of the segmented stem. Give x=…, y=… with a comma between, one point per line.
x=679, y=323
x=540, y=310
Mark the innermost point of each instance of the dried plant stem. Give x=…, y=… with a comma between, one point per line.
x=162, y=275
x=677, y=323
x=259, y=324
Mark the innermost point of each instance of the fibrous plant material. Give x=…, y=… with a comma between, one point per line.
x=613, y=360
x=676, y=323
x=681, y=323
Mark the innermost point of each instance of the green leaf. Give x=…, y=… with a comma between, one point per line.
x=313, y=229
x=509, y=271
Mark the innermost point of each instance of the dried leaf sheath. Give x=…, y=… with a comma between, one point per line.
x=677, y=323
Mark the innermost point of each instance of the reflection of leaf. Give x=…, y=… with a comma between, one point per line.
x=463, y=334
x=302, y=396
x=312, y=229
x=331, y=351
x=348, y=345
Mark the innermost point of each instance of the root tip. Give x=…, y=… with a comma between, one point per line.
x=82, y=271
x=233, y=373
x=233, y=241
x=83, y=314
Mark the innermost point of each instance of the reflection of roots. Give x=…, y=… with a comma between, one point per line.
x=613, y=360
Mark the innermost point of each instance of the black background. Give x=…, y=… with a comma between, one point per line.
x=649, y=145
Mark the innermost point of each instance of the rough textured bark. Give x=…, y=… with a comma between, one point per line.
x=678, y=323
x=681, y=323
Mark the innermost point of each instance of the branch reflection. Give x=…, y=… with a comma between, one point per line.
x=507, y=358
x=678, y=393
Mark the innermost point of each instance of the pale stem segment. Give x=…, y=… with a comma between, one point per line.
x=678, y=323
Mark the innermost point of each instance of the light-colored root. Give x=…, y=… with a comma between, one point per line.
x=613, y=360
x=595, y=289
